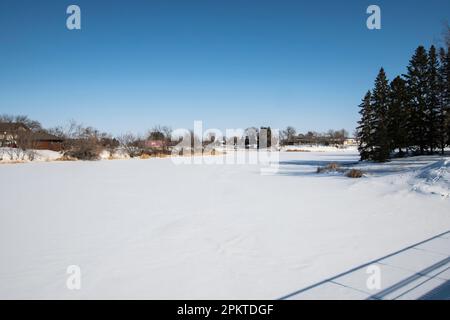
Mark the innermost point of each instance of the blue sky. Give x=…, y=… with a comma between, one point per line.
x=230, y=63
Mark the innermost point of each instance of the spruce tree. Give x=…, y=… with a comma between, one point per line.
x=380, y=105
x=417, y=80
x=410, y=113
x=398, y=115
x=433, y=100
x=364, y=130
x=443, y=122
x=446, y=91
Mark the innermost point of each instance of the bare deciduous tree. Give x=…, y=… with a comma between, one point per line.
x=288, y=135
x=84, y=143
x=130, y=144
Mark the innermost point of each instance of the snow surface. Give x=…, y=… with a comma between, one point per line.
x=421, y=271
x=152, y=229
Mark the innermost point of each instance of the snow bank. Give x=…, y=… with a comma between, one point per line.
x=434, y=178
x=318, y=148
x=9, y=155
x=116, y=155
x=47, y=155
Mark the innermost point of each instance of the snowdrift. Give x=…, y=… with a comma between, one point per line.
x=434, y=178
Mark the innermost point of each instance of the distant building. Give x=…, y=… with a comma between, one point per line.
x=9, y=133
x=155, y=143
x=15, y=134
x=45, y=141
x=350, y=142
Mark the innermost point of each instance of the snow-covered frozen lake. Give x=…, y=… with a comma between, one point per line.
x=151, y=229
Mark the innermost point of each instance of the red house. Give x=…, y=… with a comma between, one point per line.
x=155, y=143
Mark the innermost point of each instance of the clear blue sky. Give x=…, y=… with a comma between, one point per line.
x=229, y=63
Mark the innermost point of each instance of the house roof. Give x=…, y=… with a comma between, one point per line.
x=44, y=136
x=36, y=136
x=11, y=126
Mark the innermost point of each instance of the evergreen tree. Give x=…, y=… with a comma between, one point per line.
x=433, y=100
x=380, y=105
x=446, y=92
x=417, y=80
x=443, y=122
x=398, y=115
x=364, y=130
x=410, y=113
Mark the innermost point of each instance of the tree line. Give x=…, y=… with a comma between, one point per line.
x=77, y=140
x=289, y=136
x=411, y=114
